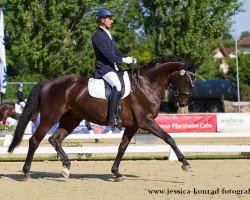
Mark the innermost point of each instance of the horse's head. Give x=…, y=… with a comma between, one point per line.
x=181, y=83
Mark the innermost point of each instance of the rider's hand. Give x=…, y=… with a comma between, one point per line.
x=129, y=60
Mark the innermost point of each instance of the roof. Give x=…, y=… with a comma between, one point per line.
x=224, y=51
x=245, y=42
x=230, y=49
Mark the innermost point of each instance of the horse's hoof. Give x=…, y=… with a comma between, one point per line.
x=118, y=179
x=65, y=172
x=186, y=168
x=25, y=178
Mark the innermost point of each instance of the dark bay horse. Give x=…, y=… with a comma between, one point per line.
x=66, y=100
x=8, y=109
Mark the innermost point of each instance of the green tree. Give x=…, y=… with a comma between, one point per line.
x=52, y=38
x=244, y=34
x=129, y=33
x=227, y=40
x=244, y=71
x=188, y=28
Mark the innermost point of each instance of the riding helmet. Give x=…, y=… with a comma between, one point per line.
x=104, y=12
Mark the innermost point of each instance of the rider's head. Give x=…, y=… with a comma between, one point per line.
x=104, y=15
x=20, y=85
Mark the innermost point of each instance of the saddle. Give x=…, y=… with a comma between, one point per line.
x=99, y=88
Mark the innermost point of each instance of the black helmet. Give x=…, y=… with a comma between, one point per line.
x=104, y=12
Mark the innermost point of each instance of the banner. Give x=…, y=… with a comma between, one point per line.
x=233, y=122
x=84, y=128
x=187, y=122
x=3, y=69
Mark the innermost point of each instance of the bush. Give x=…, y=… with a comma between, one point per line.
x=245, y=93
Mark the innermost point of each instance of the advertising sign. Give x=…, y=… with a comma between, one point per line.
x=233, y=122
x=187, y=122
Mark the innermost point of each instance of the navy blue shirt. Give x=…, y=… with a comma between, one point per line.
x=106, y=53
x=20, y=96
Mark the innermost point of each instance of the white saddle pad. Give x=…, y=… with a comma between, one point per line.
x=96, y=87
x=18, y=108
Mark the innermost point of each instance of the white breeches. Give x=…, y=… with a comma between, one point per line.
x=113, y=80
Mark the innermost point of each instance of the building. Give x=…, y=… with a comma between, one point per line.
x=221, y=53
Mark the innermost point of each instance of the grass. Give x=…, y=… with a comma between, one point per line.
x=89, y=157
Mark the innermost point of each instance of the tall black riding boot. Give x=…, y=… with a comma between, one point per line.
x=114, y=98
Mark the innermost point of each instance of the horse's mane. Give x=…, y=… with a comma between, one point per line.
x=170, y=58
x=165, y=59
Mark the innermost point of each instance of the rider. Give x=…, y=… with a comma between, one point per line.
x=20, y=95
x=108, y=58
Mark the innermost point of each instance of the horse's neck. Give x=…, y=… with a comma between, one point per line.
x=161, y=72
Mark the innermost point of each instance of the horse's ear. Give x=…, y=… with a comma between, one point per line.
x=196, y=65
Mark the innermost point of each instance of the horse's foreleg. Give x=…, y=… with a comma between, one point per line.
x=127, y=136
x=155, y=129
x=169, y=140
x=56, y=141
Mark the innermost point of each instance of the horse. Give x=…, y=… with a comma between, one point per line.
x=8, y=109
x=67, y=100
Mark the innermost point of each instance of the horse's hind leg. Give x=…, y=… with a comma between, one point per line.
x=67, y=124
x=56, y=141
x=34, y=142
x=127, y=136
x=34, y=118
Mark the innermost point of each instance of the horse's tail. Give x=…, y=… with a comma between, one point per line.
x=30, y=107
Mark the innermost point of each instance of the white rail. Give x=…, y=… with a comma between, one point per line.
x=136, y=148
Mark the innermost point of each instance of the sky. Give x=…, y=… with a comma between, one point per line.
x=242, y=20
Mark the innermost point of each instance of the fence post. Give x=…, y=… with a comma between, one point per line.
x=171, y=155
x=7, y=140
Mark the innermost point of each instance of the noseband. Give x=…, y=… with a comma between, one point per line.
x=182, y=74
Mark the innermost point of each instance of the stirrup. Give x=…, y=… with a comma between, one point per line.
x=115, y=121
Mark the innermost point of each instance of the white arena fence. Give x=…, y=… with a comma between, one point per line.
x=228, y=125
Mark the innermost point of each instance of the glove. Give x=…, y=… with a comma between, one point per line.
x=129, y=60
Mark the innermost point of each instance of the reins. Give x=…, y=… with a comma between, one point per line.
x=137, y=80
x=153, y=78
x=135, y=85
x=183, y=72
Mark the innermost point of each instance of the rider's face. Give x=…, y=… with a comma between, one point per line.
x=107, y=22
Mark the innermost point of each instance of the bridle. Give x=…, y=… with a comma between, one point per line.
x=176, y=92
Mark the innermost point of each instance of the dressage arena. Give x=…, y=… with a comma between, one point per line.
x=144, y=179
